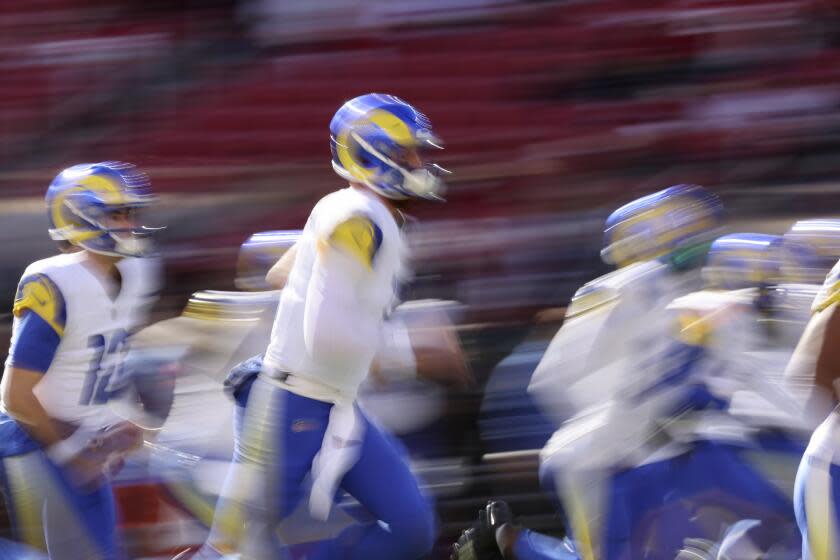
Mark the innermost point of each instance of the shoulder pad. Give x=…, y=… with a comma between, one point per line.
x=698, y=315
x=358, y=236
x=213, y=305
x=39, y=294
x=590, y=297
x=629, y=276
x=609, y=287
x=710, y=301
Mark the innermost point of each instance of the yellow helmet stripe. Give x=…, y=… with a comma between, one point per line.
x=393, y=126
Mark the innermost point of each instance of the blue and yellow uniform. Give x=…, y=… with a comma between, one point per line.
x=679, y=458
x=615, y=339
x=69, y=329
x=303, y=435
x=71, y=326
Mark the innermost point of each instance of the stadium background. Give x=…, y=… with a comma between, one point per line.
x=553, y=113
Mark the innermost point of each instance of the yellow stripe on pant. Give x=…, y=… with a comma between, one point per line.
x=821, y=514
x=27, y=484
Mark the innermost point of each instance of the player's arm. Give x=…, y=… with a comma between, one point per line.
x=279, y=273
x=336, y=321
x=20, y=403
x=427, y=346
x=146, y=391
x=38, y=327
x=828, y=362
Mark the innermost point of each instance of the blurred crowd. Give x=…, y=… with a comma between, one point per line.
x=553, y=113
x=546, y=107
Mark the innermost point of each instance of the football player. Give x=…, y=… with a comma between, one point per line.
x=612, y=342
x=303, y=435
x=696, y=475
x=74, y=314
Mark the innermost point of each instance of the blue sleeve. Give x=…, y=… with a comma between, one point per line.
x=40, y=317
x=34, y=342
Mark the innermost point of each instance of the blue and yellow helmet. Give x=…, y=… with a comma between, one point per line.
x=80, y=199
x=369, y=138
x=822, y=237
x=751, y=260
x=258, y=254
x=662, y=224
x=743, y=260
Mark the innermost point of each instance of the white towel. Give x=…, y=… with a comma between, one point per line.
x=339, y=451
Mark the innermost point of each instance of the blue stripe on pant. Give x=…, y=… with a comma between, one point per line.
x=47, y=510
x=281, y=435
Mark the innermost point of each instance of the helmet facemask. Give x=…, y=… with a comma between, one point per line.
x=405, y=172
x=112, y=230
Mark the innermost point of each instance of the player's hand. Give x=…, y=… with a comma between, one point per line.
x=123, y=438
x=85, y=470
x=114, y=465
x=114, y=443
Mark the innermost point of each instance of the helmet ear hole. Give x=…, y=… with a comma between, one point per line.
x=364, y=160
x=66, y=246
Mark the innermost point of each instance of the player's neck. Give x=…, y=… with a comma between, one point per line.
x=105, y=265
x=387, y=202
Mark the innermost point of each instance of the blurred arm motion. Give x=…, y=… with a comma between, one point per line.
x=828, y=361
x=39, y=325
x=826, y=322
x=279, y=273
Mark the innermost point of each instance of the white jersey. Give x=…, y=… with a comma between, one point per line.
x=94, y=333
x=289, y=350
x=740, y=361
x=611, y=339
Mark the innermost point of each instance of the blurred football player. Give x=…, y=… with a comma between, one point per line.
x=818, y=479
x=73, y=316
x=303, y=436
x=612, y=342
x=695, y=478
x=216, y=330
x=732, y=434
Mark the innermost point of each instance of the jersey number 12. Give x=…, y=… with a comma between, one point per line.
x=111, y=350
